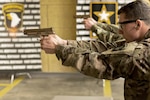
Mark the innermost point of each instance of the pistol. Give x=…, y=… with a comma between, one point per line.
x=82, y=16
x=38, y=32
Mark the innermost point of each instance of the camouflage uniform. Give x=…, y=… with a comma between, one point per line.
x=110, y=57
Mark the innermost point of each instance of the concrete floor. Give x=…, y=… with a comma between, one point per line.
x=57, y=86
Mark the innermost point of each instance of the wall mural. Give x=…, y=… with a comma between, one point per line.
x=105, y=12
x=13, y=13
x=19, y=52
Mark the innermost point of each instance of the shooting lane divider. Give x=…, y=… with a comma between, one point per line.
x=107, y=88
x=9, y=87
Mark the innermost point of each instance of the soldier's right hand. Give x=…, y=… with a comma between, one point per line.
x=49, y=43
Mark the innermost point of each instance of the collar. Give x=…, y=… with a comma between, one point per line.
x=147, y=35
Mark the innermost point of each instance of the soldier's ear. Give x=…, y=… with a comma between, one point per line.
x=138, y=24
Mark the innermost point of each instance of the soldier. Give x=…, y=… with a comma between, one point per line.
x=112, y=55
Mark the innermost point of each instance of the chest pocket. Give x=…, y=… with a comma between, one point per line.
x=142, y=50
x=141, y=58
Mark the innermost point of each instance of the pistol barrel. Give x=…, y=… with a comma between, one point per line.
x=82, y=16
x=38, y=32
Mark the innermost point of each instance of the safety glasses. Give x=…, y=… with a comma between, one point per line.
x=127, y=22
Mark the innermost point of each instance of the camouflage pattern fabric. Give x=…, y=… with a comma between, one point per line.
x=110, y=57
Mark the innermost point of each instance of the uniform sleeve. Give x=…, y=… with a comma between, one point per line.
x=106, y=32
x=108, y=27
x=93, y=45
x=129, y=60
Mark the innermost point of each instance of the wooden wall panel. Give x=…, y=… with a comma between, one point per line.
x=59, y=15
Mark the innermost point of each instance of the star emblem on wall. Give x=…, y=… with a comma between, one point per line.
x=104, y=15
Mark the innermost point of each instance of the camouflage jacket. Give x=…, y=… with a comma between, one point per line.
x=110, y=57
